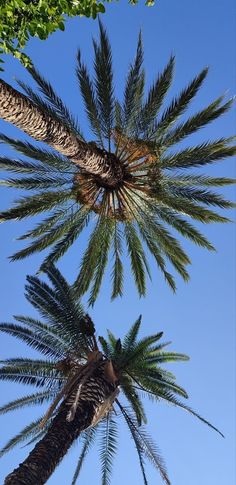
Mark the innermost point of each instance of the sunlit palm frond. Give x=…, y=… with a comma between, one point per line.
x=87, y=439
x=23, y=435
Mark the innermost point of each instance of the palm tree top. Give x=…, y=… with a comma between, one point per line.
x=66, y=336
x=128, y=185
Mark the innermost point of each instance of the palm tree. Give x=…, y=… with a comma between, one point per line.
x=127, y=184
x=86, y=380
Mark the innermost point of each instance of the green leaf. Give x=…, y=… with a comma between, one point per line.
x=87, y=438
x=108, y=446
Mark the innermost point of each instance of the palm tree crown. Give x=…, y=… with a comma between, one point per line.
x=128, y=184
x=66, y=338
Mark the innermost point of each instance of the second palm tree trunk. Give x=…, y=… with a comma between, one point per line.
x=49, y=451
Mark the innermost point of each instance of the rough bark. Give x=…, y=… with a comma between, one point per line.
x=16, y=108
x=49, y=451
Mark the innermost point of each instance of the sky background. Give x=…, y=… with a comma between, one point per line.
x=200, y=318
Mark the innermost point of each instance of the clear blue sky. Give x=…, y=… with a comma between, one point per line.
x=200, y=318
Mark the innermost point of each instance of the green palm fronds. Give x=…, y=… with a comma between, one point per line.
x=66, y=338
x=153, y=185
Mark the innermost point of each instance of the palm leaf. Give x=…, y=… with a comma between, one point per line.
x=117, y=273
x=149, y=449
x=32, y=338
x=52, y=159
x=46, y=224
x=74, y=227
x=32, y=399
x=88, y=94
x=24, y=434
x=201, y=180
x=194, y=123
x=180, y=104
x=184, y=227
x=104, y=83
x=33, y=205
x=137, y=256
x=135, y=402
x=108, y=447
x=134, y=90
x=131, y=337
x=198, y=155
x=56, y=103
x=35, y=183
x=88, y=437
x=102, y=258
x=73, y=223
x=156, y=97
x=90, y=262
x=153, y=248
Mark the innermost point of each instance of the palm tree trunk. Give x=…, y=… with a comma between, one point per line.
x=16, y=108
x=50, y=450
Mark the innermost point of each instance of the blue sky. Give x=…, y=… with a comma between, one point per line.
x=200, y=318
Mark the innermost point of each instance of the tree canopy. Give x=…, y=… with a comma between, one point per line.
x=66, y=336
x=131, y=185
x=21, y=19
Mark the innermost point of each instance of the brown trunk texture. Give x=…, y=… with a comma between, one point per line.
x=49, y=451
x=16, y=108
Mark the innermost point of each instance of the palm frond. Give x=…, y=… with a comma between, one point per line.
x=117, y=272
x=198, y=180
x=88, y=437
x=180, y=104
x=145, y=444
x=21, y=166
x=156, y=97
x=58, y=338
x=101, y=235
x=32, y=338
x=24, y=434
x=137, y=257
x=134, y=401
x=52, y=159
x=46, y=224
x=33, y=377
x=102, y=258
x=60, y=308
x=36, y=183
x=168, y=396
x=194, y=123
x=184, y=227
x=198, y=155
x=74, y=227
x=56, y=102
x=104, y=83
x=168, y=245
x=187, y=207
x=160, y=357
x=136, y=441
x=34, y=204
x=198, y=195
x=108, y=447
x=61, y=231
x=131, y=337
x=88, y=94
x=153, y=248
x=134, y=90
x=30, y=400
